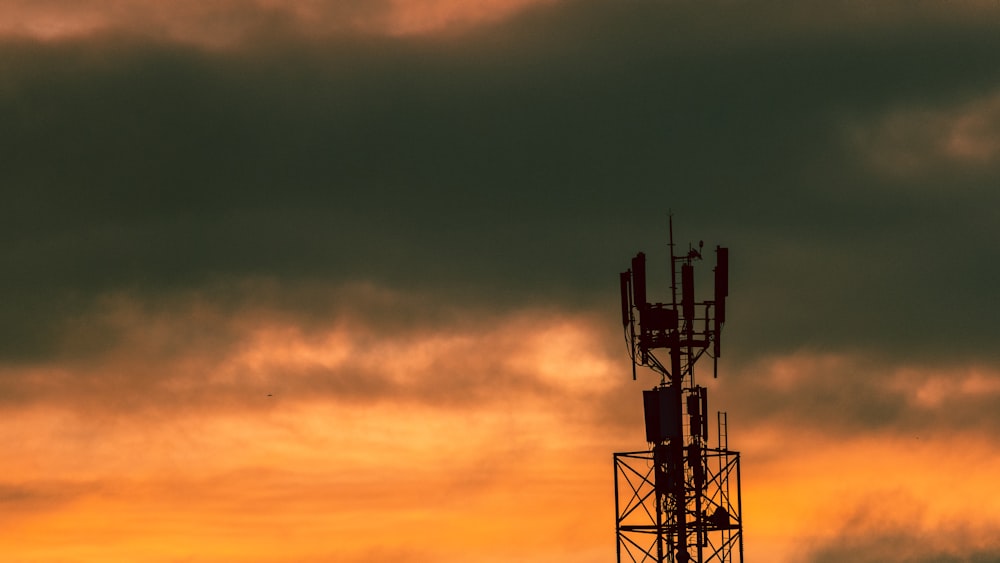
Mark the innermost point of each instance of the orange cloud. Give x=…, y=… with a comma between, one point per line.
x=132, y=356
x=231, y=21
x=422, y=16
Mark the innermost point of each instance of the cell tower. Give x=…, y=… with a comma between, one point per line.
x=680, y=500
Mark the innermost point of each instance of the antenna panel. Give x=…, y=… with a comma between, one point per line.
x=721, y=282
x=687, y=292
x=639, y=280
x=626, y=281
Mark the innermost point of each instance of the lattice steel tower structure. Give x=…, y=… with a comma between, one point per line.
x=679, y=501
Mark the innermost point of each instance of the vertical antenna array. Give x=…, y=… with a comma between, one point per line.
x=680, y=500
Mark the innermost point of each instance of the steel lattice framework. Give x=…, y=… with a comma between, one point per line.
x=644, y=535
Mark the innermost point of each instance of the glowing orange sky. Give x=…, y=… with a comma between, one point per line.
x=276, y=467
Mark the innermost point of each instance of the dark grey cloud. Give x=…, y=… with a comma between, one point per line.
x=894, y=528
x=519, y=164
x=900, y=546
x=850, y=396
x=41, y=496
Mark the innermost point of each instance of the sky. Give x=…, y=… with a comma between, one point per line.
x=338, y=280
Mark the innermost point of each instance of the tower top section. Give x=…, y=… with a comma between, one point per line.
x=685, y=327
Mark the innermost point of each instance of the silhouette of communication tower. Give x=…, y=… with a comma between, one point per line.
x=679, y=501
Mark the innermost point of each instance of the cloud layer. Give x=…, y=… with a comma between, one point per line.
x=518, y=165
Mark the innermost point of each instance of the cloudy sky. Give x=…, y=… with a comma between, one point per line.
x=336, y=280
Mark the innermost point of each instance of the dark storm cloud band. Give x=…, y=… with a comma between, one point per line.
x=509, y=165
